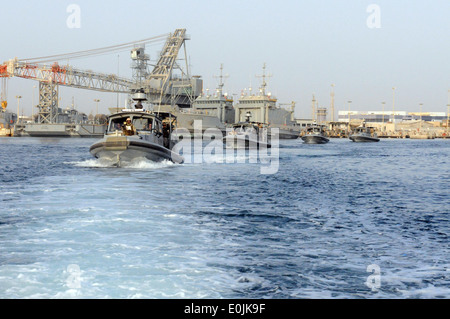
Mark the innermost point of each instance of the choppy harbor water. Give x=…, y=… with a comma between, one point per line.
x=70, y=227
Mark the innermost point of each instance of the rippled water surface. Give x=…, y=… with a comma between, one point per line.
x=72, y=227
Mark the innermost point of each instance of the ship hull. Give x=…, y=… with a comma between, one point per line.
x=59, y=130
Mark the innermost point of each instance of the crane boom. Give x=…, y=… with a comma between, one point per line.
x=66, y=76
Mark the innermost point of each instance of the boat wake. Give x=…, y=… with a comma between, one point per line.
x=138, y=163
x=143, y=163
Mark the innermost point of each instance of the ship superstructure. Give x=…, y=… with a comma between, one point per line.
x=263, y=108
x=218, y=104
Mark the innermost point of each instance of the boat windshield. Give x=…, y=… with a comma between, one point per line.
x=140, y=124
x=116, y=125
x=250, y=129
x=363, y=130
x=143, y=124
x=238, y=128
x=313, y=130
x=245, y=129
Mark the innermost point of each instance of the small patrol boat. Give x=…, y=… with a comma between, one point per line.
x=247, y=135
x=364, y=134
x=315, y=135
x=137, y=133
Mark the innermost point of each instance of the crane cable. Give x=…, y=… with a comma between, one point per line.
x=92, y=52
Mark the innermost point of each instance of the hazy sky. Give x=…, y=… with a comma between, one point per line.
x=307, y=46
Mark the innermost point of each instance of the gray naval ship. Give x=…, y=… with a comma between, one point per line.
x=263, y=108
x=64, y=123
x=216, y=109
x=217, y=104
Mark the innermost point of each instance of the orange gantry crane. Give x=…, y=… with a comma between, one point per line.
x=157, y=86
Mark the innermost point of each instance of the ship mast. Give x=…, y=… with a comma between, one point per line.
x=263, y=93
x=221, y=82
x=221, y=111
x=264, y=83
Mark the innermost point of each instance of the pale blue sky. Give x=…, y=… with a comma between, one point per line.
x=307, y=45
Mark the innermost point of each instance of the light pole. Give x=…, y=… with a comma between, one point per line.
x=96, y=114
x=448, y=113
x=313, y=108
x=32, y=106
x=420, y=127
x=393, y=107
x=332, y=102
x=18, y=97
x=348, y=126
x=118, y=69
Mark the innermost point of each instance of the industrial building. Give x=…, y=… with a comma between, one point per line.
x=389, y=116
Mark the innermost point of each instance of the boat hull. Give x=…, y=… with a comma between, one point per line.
x=118, y=149
x=244, y=142
x=315, y=139
x=288, y=134
x=363, y=139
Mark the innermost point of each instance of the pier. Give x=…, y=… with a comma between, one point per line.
x=406, y=129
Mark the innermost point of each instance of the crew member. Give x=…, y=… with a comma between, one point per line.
x=117, y=126
x=128, y=128
x=166, y=135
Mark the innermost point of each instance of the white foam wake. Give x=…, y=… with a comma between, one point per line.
x=139, y=163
